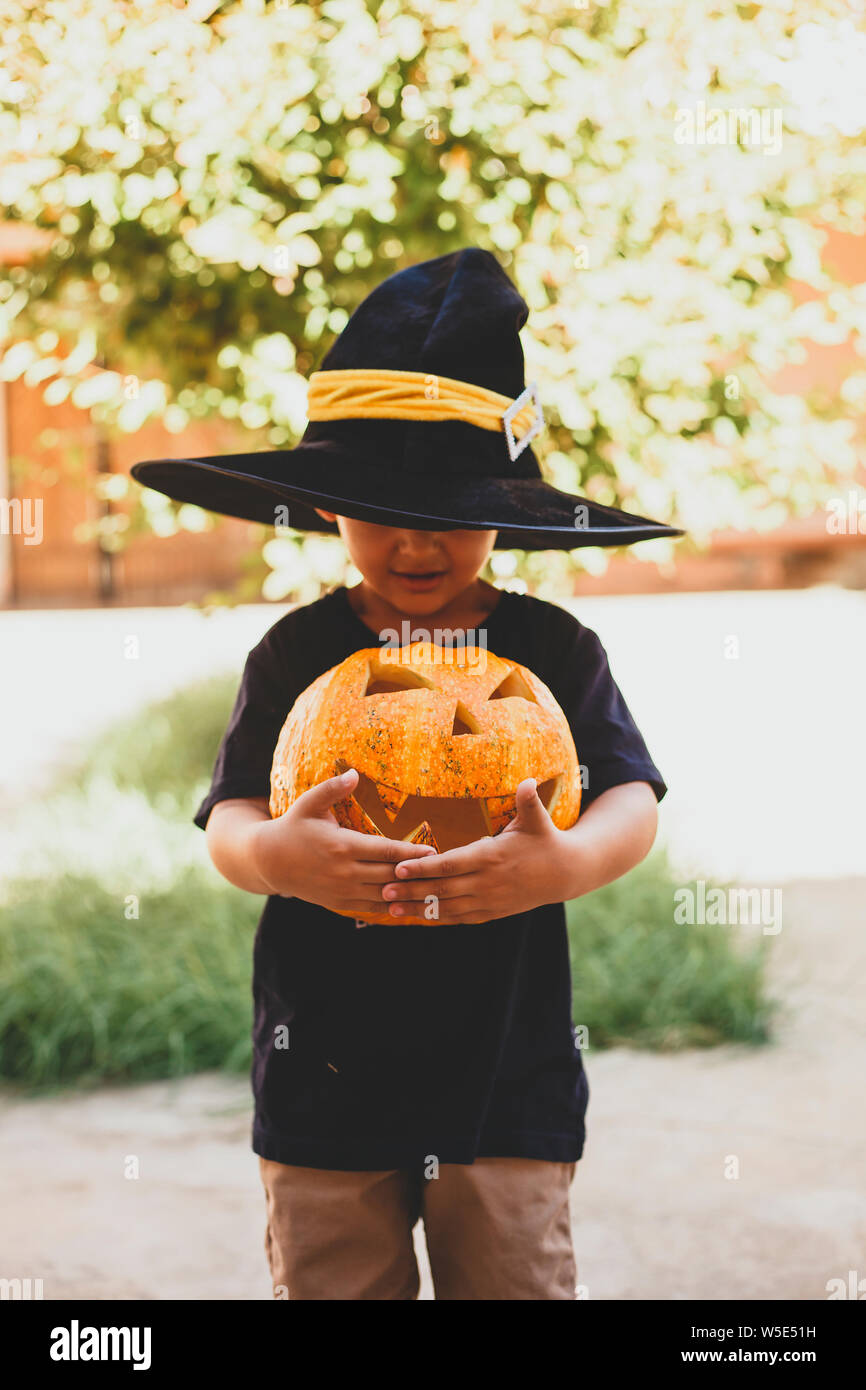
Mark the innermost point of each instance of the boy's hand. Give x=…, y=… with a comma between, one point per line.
x=512, y=872
x=307, y=854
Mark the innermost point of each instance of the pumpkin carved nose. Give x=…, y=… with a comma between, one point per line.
x=464, y=721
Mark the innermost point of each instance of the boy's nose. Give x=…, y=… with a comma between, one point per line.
x=419, y=542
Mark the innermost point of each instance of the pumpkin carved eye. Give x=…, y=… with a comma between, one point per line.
x=385, y=677
x=511, y=685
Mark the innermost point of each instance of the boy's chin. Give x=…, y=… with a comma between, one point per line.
x=414, y=599
x=415, y=607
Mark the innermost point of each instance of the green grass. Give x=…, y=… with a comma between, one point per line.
x=87, y=995
x=639, y=978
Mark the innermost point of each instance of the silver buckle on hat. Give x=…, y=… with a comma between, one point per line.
x=529, y=394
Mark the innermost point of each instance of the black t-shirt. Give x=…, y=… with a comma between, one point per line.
x=384, y=1047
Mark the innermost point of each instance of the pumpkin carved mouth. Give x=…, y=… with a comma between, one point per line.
x=441, y=821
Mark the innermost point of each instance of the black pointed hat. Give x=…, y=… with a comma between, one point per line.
x=419, y=416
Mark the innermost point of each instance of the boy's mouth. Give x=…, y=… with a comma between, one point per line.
x=419, y=579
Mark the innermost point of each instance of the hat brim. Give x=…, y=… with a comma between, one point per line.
x=527, y=513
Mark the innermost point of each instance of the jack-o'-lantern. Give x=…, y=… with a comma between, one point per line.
x=440, y=737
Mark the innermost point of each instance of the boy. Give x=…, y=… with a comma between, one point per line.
x=405, y=1071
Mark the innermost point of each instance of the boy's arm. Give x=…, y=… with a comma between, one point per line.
x=614, y=834
x=230, y=833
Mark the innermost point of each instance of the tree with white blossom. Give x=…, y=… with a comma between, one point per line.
x=219, y=185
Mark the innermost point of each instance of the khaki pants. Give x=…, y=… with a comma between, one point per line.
x=496, y=1229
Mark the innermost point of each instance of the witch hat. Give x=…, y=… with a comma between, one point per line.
x=418, y=416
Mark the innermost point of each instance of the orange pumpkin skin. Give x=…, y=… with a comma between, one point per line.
x=440, y=736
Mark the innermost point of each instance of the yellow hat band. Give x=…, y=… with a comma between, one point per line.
x=361, y=393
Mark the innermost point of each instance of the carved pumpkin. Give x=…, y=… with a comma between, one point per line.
x=440, y=738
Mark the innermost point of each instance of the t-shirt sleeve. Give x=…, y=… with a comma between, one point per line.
x=610, y=746
x=243, y=762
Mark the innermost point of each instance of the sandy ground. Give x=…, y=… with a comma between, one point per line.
x=654, y=1214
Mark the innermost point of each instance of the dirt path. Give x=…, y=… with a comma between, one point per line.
x=654, y=1214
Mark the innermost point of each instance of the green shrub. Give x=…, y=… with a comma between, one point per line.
x=639, y=978
x=89, y=995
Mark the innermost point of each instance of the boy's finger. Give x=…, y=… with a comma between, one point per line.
x=418, y=889
x=377, y=849
x=530, y=811
x=374, y=876
x=463, y=860
x=317, y=800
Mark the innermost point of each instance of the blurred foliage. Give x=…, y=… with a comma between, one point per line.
x=91, y=996
x=220, y=184
x=639, y=978
x=168, y=754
